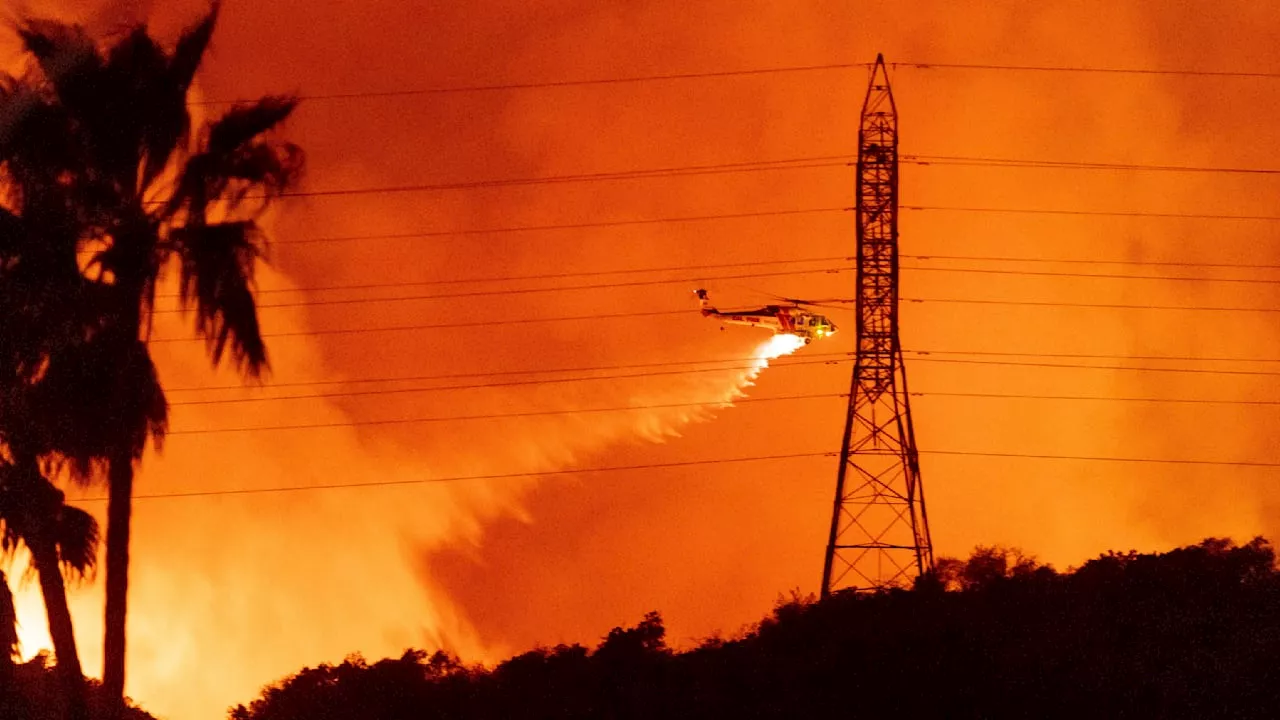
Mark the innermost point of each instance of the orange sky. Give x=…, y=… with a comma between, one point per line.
x=232, y=592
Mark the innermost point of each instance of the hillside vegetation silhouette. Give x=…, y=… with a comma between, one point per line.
x=1190, y=633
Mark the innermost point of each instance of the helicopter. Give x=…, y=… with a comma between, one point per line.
x=789, y=319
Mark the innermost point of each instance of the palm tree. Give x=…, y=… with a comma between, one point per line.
x=52, y=352
x=61, y=539
x=50, y=333
x=147, y=194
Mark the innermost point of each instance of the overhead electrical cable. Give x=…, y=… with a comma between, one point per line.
x=746, y=72
x=504, y=384
x=1107, y=306
x=441, y=326
x=675, y=171
x=506, y=373
x=462, y=478
x=543, y=276
x=527, y=291
x=666, y=465
x=1097, y=356
x=828, y=258
x=1082, y=261
x=658, y=313
x=661, y=373
x=710, y=404
x=1261, y=75
x=719, y=364
x=975, y=161
x=1088, y=213
x=1104, y=458
x=1130, y=368
x=663, y=369
x=558, y=226
x=1097, y=398
x=666, y=281
x=546, y=84
x=1105, y=276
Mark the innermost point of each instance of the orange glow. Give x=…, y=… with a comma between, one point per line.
x=233, y=591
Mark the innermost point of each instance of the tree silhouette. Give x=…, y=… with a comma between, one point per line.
x=59, y=538
x=145, y=194
x=53, y=335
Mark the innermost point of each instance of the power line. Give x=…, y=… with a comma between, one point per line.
x=496, y=416
x=511, y=383
x=974, y=161
x=1092, y=356
x=1098, y=213
x=442, y=326
x=503, y=373
x=656, y=313
x=719, y=74
x=1108, y=306
x=1107, y=276
x=526, y=291
x=676, y=171
x=1098, y=398
x=657, y=466
x=673, y=281
x=1161, y=263
x=463, y=478
x=832, y=258
x=562, y=226
x=1098, y=458
x=1086, y=69
x=544, y=276
x=543, y=84
x=832, y=357
x=818, y=359
x=843, y=358
x=1009, y=363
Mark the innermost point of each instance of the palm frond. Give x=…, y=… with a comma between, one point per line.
x=217, y=265
x=244, y=123
x=77, y=537
x=96, y=397
x=68, y=59
x=148, y=113
x=191, y=47
x=169, y=127
x=234, y=152
x=62, y=50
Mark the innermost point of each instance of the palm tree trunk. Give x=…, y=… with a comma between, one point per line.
x=119, y=514
x=45, y=557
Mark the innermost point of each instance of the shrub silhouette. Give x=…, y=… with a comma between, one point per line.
x=1191, y=633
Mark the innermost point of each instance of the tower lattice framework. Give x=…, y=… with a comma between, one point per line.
x=879, y=528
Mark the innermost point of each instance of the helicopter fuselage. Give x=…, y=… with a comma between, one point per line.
x=788, y=319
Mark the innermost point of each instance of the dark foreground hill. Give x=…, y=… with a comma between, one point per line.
x=1192, y=633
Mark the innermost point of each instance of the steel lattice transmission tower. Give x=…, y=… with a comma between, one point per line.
x=879, y=529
